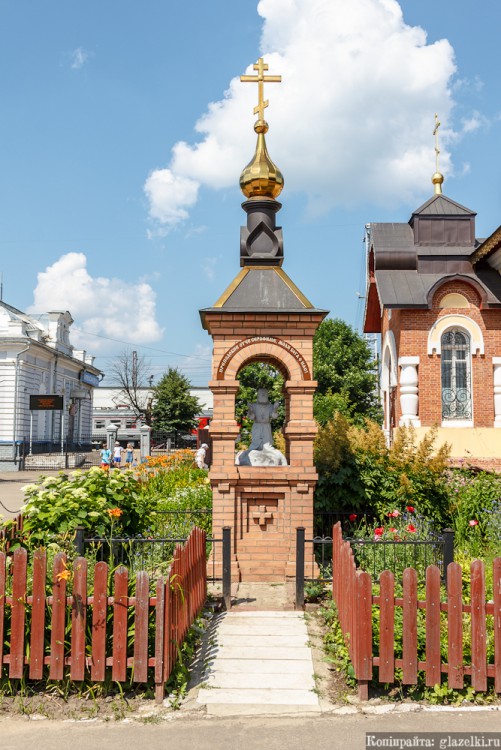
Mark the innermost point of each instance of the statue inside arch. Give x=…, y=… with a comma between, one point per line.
x=261, y=451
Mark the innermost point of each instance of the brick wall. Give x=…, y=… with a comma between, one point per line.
x=411, y=329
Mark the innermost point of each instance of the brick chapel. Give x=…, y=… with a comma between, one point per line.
x=263, y=317
x=434, y=296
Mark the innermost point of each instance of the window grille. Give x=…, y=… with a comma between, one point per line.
x=456, y=375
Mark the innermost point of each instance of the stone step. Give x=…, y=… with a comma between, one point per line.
x=262, y=696
x=273, y=681
x=264, y=614
x=252, y=709
x=260, y=667
x=264, y=652
x=249, y=640
x=261, y=628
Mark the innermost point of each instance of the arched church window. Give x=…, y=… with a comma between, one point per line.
x=456, y=375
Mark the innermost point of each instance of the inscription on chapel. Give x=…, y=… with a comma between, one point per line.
x=260, y=340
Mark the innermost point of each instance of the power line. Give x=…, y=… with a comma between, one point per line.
x=139, y=346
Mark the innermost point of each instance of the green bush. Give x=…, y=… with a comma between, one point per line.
x=57, y=504
x=357, y=471
x=475, y=510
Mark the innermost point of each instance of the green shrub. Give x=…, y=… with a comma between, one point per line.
x=357, y=471
x=475, y=510
x=57, y=504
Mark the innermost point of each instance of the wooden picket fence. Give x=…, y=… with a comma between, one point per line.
x=93, y=616
x=11, y=532
x=352, y=593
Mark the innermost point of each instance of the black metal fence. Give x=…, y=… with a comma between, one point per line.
x=84, y=451
x=314, y=557
x=155, y=554
x=165, y=442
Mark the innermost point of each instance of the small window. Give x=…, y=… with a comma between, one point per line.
x=99, y=424
x=130, y=424
x=116, y=422
x=456, y=376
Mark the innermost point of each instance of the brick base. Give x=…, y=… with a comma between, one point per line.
x=264, y=507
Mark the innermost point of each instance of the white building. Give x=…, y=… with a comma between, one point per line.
x=37, y=359
x=111, y=409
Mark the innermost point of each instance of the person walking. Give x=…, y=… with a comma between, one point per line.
x=129, y=455
x=117, y=455
x=105, y=454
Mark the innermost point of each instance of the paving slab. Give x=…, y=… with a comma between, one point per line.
x=270, y=641
x=274, y=680
x=263, y=696
x=262, y=652
x=263, y=627
x=261, y=666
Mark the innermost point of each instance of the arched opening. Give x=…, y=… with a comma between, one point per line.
x=255, y=374
x=456, y=375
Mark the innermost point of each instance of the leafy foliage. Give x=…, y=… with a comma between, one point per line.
x=60, y=503
x=346, y=374
x=174, y=407
x=357, y=471
x=476, y=510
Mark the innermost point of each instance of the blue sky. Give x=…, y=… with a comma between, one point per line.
x=124, y=130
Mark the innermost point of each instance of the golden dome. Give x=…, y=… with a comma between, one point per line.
x=261, y=178
x=437, y=180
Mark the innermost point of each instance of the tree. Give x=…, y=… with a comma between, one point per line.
x=251, y=378
x=346, y=374
x=174, y=407
x=131, y=373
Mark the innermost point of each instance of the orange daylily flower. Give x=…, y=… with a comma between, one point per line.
x=115, y=512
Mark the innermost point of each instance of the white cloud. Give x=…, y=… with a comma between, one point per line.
x=78, y=58
x=105, y=306
x=351, y=121
x=209, y=267
x=170, y=194
x=474, y=122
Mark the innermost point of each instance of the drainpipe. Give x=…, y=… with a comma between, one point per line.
x=16, y=379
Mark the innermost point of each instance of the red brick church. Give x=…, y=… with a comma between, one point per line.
x=434, y=296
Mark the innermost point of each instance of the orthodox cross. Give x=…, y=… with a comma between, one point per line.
x=262, y=516
x=435, y=133
x=260, y=79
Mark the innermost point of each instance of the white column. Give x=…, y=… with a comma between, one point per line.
x=409, y=391
x=496, y=363
x=145, y=433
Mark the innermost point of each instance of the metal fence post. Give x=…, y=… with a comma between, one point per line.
x=300, y=567
x=227, y=567
x=448, y=549
x=79, y=539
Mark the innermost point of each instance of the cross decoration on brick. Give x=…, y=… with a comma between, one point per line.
x=262, y=516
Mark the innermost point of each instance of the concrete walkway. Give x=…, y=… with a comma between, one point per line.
x=258, y=662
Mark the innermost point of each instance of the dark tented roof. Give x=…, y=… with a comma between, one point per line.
x=441, y=205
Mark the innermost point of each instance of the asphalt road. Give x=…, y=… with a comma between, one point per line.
x=325, y=732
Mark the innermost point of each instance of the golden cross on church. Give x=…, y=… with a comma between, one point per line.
x=435, y=133
x=260, y=79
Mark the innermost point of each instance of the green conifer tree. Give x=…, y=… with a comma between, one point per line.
x=174, y=407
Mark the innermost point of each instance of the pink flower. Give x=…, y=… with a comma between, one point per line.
x=352, y=517
x=410, y=527
x=410, y=508
x=392, y=529
x=379, y=531
x=473, y=523
x=394, y=514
